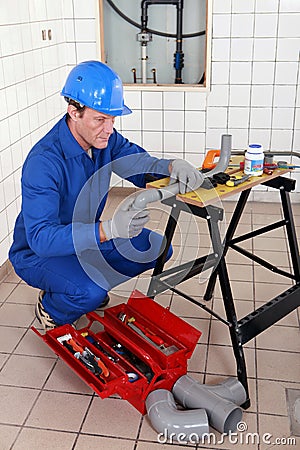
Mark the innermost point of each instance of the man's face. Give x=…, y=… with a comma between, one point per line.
x=90, y=127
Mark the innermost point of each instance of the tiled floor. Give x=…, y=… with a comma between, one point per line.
x=45, y=405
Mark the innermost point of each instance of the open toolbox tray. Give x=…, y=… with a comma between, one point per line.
x=135, y=363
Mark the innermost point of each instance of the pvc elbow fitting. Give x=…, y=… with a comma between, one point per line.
x=220, y=401
x=167, y=419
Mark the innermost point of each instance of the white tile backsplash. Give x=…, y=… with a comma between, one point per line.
x=152, y=141
x=289, y=25
x=195, y=121
x=239, y=95
x=241, y=49
x=284, y=96
x=242, y=6
x=240, y=73
x=262, y=95
x=283, y=118
x=267, y=6
x=152, y=100
x=220, y=50
x=265, y=25
x=238, y=117
x=173, y=142
x=263, y=72
x=173, y=100
x=216, y=117
x=173, y=120
x=152, y=120
x=286, y=73
x=260, y=117
x=242, y=25
x=264, y=49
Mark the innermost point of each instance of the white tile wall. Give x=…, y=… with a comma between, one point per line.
x=254, y=91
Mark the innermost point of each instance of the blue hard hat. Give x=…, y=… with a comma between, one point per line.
x=97, y=86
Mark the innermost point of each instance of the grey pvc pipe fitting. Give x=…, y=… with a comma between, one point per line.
x=153, y=195
x=172, y=422
x=220, y=401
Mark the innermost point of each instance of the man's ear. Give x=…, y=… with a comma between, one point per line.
x=73, y=112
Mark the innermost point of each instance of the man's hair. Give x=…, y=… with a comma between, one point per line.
x=77, y=105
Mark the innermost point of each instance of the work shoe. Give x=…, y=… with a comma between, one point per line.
x=42, y=316
x=105, y=302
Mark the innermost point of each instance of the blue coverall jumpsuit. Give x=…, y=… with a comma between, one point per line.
x=56, y=243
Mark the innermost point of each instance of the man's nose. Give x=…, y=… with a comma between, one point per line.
x=108, y=125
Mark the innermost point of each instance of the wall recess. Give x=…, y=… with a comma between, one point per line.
x=156, y=42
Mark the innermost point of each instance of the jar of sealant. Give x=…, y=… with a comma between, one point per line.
x=254, y=160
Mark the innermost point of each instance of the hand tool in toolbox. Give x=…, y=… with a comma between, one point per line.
x=85, y=355
x=271, y=165
x=99, y=347
x=136, y=362
x=147, y=337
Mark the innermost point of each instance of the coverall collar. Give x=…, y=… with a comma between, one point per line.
x=70, y=146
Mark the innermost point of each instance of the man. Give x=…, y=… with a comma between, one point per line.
x=61, y=244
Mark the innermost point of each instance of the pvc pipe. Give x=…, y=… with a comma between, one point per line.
x=144, y=62
x=153, y=195
x=167, y=419
x=218, y=401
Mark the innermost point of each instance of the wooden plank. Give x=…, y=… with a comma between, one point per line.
x=204, y=197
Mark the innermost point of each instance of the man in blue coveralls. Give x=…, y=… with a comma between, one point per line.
x=61, y=244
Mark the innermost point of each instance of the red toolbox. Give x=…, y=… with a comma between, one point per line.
x=139, y=346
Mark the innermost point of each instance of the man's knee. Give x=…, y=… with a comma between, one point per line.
x=94, y=297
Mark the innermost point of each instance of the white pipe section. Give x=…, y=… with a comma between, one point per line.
x=220, y=401
x=167, y=419
x=144, y=63
x=153, y=195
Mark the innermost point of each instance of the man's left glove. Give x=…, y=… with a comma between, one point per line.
x=188, y=177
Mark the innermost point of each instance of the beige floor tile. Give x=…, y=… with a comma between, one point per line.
x=97, y=442
x=26, y=371
x=7, y=436
x=23, y=294
x=272, y=397
x=201, y=325
x=240, y=273
x=262, y=275
x=183, y=308
x=278, y=259
x=275, y=365
x=242, y=307
x=221, y=361
x=198, y=359
x=16, y=315
x=5, y=290
x=10, y=337
x=278, y=428
x=68, y=416
x=64, y=379
x=280, y=338
x=102, y=418
x=265, y=291
x=44, y=439
x=242, y=290
x=15, y=404
x=12, y=278
x=271, y=243
x=32, y=345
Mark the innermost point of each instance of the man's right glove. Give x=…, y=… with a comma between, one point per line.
x=126, y=222
x=188, y=177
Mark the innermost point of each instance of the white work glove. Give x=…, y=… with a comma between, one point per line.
x=126, y=222
x=188, y=177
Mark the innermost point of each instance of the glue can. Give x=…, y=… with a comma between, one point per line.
x=254, y=160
